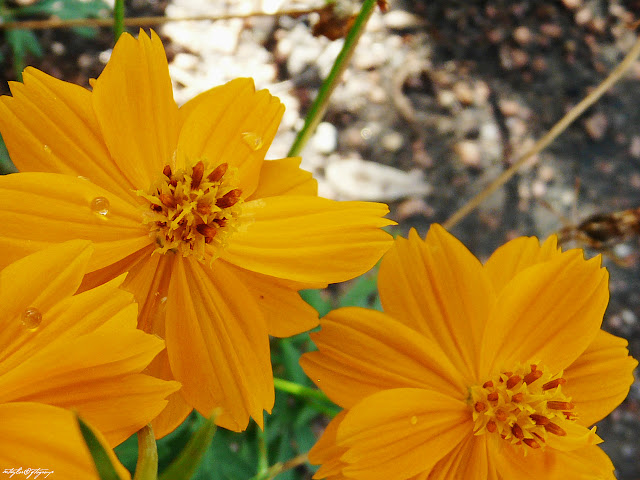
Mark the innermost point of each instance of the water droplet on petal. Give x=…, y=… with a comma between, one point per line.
x=100, y=205
x=253, y=140
x=47, y=148
x=414, y=420
x=31, y=318
x=82, y=177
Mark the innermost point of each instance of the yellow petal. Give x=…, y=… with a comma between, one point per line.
x=231, y=124
x=97, y=374
x=326, y=452
x=284, y=177
x=600, y=378
x=61, y=322
x=361, y=352
x=39, y=281
x=437, y=287
x=33, y=435
x=468, y=461
x=548, y=313
x=148, y=280
x=39, y=209
x=133, y=101
x=218, y=344
x=309, y=239
x=284, y=311
x=49, y=125
x=516, y=255
x=587, y=463
x=401, y=432
x=584, y=464
x=177, y=408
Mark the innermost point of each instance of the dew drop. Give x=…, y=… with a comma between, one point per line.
x=100, y=205
x=47, y=148
x=82, y=177
x=414, y=420
x=253, y=140
x=31, y=318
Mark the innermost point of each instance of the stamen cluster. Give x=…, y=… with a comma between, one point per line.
x=523, y=406
x=191, y=208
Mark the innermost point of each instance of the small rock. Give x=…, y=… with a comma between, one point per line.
x=463, y=92
x=551, y=30
x=634, y=146
x=325, y=140
x=572, y=4
x=401, y=20
x=469, y=153
x=522, y=35
x=583, y=16
x=412, y=207
x=357, y=179
x=392, y=141
x=596, y=125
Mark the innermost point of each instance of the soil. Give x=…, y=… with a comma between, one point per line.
x=448, y=93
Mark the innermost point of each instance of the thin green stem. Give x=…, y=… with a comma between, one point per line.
x=299, y=390
x=263, y=456
x=118, y=19
x=147, y=466
x=316, y=112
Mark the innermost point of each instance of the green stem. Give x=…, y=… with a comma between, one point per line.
x=316, y=112
x=147, y=466
x=118, y=19
x=299, y=390
x=263, y=458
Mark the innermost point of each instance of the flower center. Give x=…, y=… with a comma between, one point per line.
x=191, y=208
x=524, y=407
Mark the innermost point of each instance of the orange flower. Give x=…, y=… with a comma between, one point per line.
x=474, y=372
x=217, y=241
x=61, y=352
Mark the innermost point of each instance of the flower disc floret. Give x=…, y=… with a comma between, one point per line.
x=193, y=207
x=523, y=406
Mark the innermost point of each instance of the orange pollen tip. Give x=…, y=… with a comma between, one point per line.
x=491, y=426
x=513, y=381
x=539, y=419
x=555, y=405
x=167, y=171
x=530, y=442
x=555, y=429
x=534, y=367
x=533, y=376
x=207, y=230
x=229, y=199
x=508, y=374
x=480, y=407
x=487, y=384
x=218, y=172
x=517, y=431
x=554, y=383
x=493, y=397
x=196, y=176
x=167, y=200
x=517, y=398
x=203, y=208
x=501, y=415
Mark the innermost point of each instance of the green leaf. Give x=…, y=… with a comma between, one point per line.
x=65, y=10
x=22, y=42
x=362, y=293
x=6, y=165
x=318, y=299
x=105, y=468
x=189, y=459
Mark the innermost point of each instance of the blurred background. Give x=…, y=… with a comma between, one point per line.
x=439, y=98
